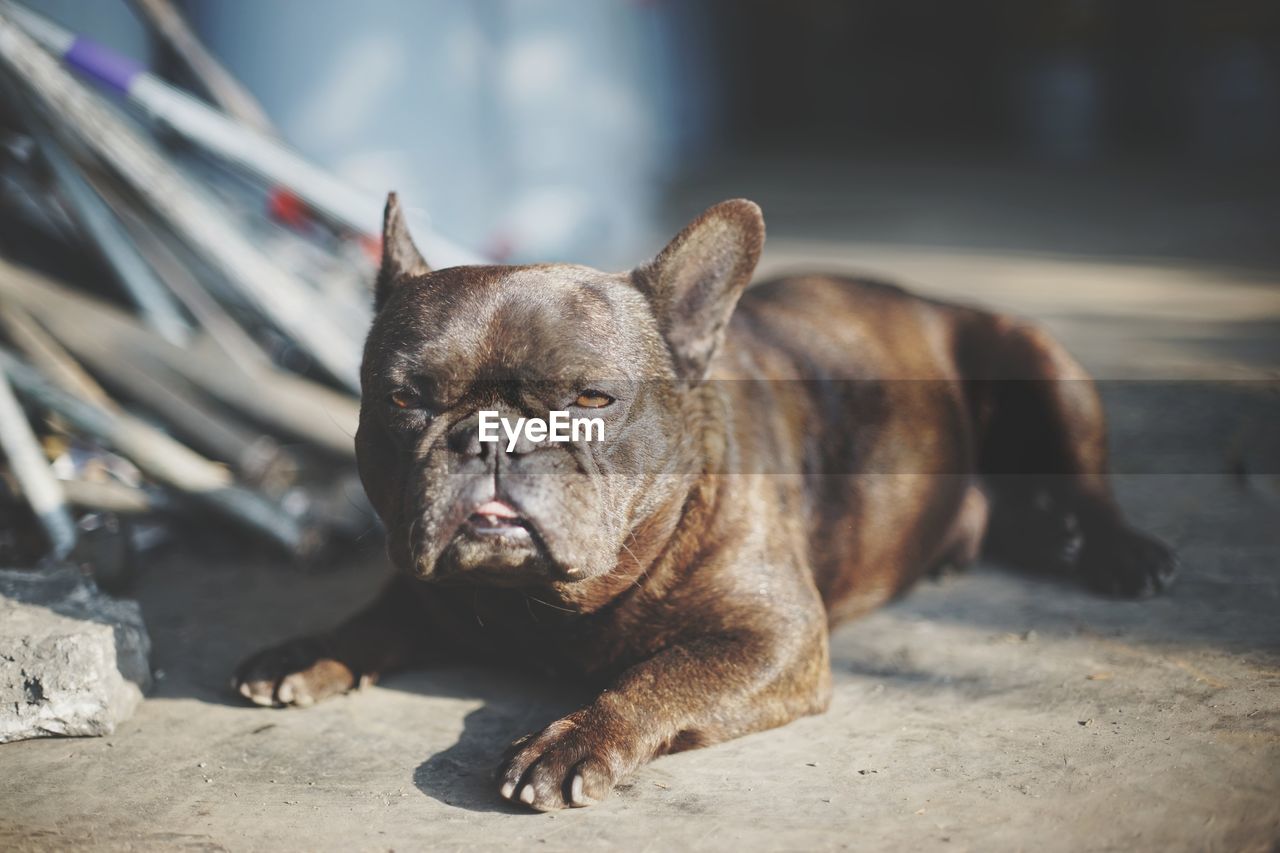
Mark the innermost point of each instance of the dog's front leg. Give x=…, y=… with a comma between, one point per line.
x=697, y=693
x=388, y=634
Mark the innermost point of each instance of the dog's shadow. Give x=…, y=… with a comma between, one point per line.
x=513, y=704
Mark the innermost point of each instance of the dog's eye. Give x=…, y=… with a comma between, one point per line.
x=592, y=399
x=404, y=398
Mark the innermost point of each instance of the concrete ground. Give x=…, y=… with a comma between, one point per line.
x=985, y=711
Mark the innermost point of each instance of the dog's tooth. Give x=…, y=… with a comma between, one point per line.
x=526, y=795
x=508, y=788
x=575, y=790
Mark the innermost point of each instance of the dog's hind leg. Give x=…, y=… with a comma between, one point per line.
x=1043, y=454
x=962, y=544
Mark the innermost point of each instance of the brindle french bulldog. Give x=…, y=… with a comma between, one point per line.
x=775, y=460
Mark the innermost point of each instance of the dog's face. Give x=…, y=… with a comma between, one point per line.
x=626, y=348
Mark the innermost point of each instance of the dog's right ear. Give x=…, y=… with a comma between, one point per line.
x=401, y=259
x=694, y=283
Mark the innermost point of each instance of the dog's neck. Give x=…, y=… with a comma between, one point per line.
x=661, y=546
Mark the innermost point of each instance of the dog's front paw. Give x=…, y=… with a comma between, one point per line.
x=298, y=673
x=1126, y=563
x=574, y=762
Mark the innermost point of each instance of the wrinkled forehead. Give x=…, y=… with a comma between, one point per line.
x=549, y=322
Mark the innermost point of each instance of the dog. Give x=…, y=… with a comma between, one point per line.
x=775, y=460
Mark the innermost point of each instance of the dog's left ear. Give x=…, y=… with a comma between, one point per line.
x=695, y=282
x=401, y=259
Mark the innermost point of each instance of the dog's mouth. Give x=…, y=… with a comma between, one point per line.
x=493, y=543
x=496, y=518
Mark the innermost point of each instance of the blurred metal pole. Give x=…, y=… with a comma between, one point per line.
x=260, y=155
x=195, y=217
x=105, y=232
x=167, y=23
x=165, y=460
x=111, y=496
x=290, y=404
x=40, y=488
x=210, y=316
x=48, y=356
x=258, y=458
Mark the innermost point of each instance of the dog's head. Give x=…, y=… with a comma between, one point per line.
x=627, y=348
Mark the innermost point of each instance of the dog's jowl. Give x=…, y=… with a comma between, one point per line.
x=771, y=460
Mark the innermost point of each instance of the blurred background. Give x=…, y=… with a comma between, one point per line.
x=563, y=129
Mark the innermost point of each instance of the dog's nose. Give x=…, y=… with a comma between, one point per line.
x=521, y=447
x=464, y=439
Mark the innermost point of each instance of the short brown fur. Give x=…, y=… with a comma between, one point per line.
x=827, y=442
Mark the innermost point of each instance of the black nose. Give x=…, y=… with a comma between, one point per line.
x=464, y=439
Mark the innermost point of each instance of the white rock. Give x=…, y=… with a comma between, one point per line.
x=73, y=661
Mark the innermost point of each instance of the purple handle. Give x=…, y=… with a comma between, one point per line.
x=102, y=63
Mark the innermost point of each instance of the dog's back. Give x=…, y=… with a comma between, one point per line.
x=925, y=432
x=864, y=377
